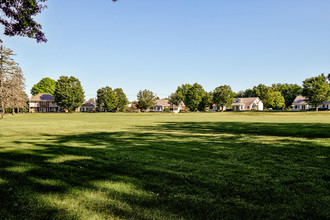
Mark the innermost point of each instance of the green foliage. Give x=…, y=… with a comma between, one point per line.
x=262, y=91
x=223, y=96
x=288, y=91
x=182, y=92
x=316, y=90
x=45, y=85
x=249, y=93
x=240, y=94
x=274, y=100
x=194, y=96
x=107, y=99
x=206, y=101
x=69, y=93
x=121, y=99
x=175, y=98
x=146, y=99
x=17, y=18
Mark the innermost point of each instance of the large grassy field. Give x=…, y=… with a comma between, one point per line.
x=165, y=166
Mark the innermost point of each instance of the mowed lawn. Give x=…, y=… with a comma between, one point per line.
x=255, y=165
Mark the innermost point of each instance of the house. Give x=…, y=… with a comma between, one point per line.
x=243, y=104
x=43, y=102
x=217, y=108
x=299, y=104
x=88, y=106
x=178, y=108
x=326, y=105
x=162, y=104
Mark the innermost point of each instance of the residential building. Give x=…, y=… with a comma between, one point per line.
x=162, y=104
x=88, y=106
x=247, y=104
x=43, y=102
x=299, y=104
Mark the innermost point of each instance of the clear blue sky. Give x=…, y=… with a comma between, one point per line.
x=161, y=44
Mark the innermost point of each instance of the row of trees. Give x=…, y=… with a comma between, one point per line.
x=69, y=94
x=111, y=100
x=12, y=83
x=278, y=96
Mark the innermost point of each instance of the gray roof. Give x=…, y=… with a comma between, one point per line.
x=299, y=100
x=89, y=103
x=42, y=97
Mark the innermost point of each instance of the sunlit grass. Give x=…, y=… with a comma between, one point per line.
x=165, y=166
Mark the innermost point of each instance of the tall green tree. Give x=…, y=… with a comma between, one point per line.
x=274, y=100
x=182, y=92
x=146, y=99
x=206, y=101
x=316, y=90
x=194, y=97
x=45, y=85
x=69, y=93
x=288, y=91
x=223, y=96
x=106, y=98
x=122, y=99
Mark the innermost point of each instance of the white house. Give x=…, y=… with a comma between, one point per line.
x=247, y=104
x=162, y=104
x=217, y=108
x=43, y=102
x=326, y=105
x=299, y=104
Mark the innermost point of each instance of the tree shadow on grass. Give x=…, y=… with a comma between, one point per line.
x=173, y=170
x=305, y=130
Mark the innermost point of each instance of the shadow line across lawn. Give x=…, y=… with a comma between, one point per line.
x=173, y=170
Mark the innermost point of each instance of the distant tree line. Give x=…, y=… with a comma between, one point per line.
x=69, y=94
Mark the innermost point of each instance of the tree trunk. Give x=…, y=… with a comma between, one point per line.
x=317, y=108
x=13, y=111
x=2, y=109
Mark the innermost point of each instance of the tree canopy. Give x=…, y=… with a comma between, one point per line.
x=288, y=91
x=45, y=85
x=316, y=90
x=194, y=96
x=106, y=98
x=223, y=96
x=146, y=99
x=274, y=100
x=121, y=99
x=69, y=93
x=17, y=18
